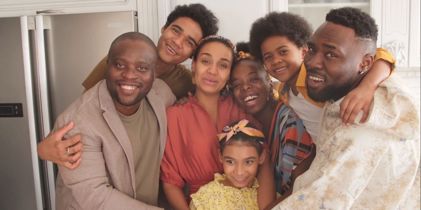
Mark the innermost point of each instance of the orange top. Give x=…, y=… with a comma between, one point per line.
x=191, y=154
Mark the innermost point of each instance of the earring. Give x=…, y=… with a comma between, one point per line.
x=363, y=71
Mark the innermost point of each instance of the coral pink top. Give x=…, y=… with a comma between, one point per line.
x=191, y=155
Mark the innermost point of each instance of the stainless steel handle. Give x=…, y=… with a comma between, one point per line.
x=43, y=98
x=30, y=109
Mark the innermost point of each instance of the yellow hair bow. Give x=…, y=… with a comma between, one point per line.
x=244, y=55
x=229, y=131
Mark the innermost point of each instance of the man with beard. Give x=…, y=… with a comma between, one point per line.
x=360, y=166
x=185, y=26
x=123, y=124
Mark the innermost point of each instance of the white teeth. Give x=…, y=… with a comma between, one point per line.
x=318, y=79
x=279, y=69
x=249, y=98
x=171, y=50
x=128, y=87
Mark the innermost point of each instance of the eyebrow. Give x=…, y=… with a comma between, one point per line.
x=247, y=158
x=280, y=47
x=188, y=37
x=329, y=46
x=208, y=54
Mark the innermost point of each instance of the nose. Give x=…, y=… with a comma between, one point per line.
x=129, y=73
x=245, y=86
x=239, y=170
x=276, y=59
x=178, y=41
x=313, y=60
x=213, y=69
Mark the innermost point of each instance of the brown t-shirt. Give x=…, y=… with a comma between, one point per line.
x=179, y=79
x=143, y=131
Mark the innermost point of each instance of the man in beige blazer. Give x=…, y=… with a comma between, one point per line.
x=117, y=171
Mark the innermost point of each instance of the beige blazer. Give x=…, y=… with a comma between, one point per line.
x=105, y=178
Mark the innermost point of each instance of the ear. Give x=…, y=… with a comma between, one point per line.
x=366, y=63
x=163, y=29
x=262, y=157
x=304, y=50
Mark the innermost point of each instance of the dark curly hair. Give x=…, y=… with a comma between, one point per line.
x=294, y=27
x=197, y=12
x=363, y=25
x=244, y=49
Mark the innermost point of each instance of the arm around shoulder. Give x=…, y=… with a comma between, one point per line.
x=89, y=184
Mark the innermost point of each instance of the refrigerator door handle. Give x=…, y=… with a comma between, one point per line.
x=31, y=116
x=43, y=98
x=42, y=74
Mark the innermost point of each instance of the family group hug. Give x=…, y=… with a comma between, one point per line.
x=291, y=119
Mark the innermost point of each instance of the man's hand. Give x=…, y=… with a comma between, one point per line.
x=359, y=99
x=65, y=152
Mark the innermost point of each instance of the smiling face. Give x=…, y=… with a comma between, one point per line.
x=212, y=67
x=178, y=41
x=240, y=161
x=282, y=58
x=130, y=73
x=250, y=86
x=335, y=56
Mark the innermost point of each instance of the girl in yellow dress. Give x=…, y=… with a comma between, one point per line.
x=241, y=153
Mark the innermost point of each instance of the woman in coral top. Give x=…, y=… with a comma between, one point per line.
x=191, y=156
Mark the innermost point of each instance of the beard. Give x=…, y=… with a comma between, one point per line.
x=330, y=92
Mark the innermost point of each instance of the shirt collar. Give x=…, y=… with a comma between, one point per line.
x=301, y=80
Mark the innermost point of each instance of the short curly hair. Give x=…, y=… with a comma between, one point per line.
x=294, y=27
x=363, y=25
x=198, y=13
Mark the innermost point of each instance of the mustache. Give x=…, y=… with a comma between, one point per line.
x=315, y=71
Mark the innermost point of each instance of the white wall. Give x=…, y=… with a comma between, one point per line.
x=235, y=16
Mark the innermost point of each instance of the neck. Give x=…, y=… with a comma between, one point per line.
x=293, y=81
x=266, y=114
x=162, y=67
x=209, y=103
x=126, y=110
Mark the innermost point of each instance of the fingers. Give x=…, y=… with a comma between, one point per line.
x=349, y=110
x=71, y=165
x=58, y=135
x=71, y=142
x=75, y=148
x=67, y=147
x=75, y=157
x=343, y=106
x=366, y=110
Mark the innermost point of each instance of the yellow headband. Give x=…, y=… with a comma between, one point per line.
x=244, y=55
x=229, y=131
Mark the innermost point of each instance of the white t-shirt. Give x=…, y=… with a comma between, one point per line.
x=309, y=113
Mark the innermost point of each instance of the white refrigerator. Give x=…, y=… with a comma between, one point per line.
x=43, y=61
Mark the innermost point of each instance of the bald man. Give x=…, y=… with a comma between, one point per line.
x=123, y=126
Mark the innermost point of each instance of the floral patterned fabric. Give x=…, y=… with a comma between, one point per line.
x=215, y=195
x=364, y=166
